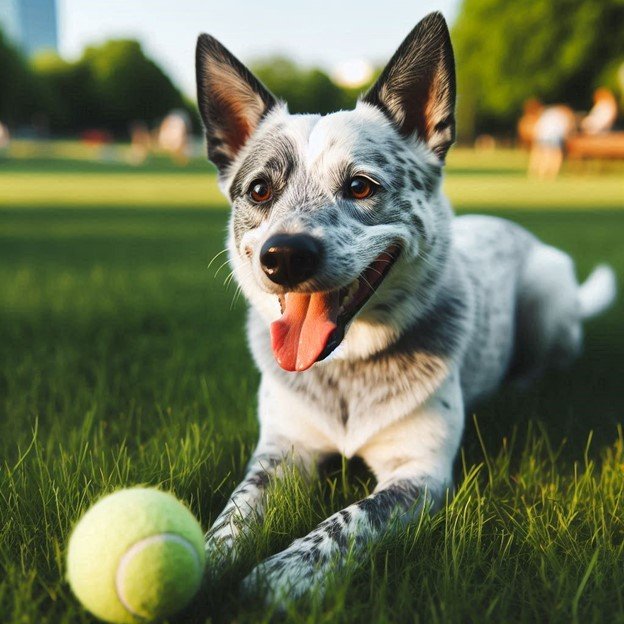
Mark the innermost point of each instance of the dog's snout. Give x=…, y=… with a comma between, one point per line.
x=290, y=259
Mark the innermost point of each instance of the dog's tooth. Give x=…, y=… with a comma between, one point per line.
x=349, y=294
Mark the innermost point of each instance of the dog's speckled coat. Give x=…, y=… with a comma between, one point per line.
x=469, y=302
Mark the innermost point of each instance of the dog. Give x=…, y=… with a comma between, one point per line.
x=376, y=317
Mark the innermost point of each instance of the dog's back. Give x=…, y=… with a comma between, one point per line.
x=528, y=304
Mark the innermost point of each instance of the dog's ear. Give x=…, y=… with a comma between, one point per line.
x=232, y=101
x=416, y=90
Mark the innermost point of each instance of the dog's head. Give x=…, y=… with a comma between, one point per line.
x=337, y=221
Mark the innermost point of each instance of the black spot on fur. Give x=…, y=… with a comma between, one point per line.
x=380, y=160
x=332, y=218
x=260, y=479
x=379, y=507
x=312, y=556
x=334, y=530
x=344, y=411
x=346, y=516
x=415, y=181
x=417, y=222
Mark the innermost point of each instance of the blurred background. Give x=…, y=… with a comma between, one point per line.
x=105, y=72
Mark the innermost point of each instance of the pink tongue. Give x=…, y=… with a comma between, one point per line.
x=299, y=337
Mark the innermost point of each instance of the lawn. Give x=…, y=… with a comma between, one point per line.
x=123, y=361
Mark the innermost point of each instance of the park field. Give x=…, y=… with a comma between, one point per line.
x=123, y=361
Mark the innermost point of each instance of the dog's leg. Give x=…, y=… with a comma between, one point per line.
x=412, y=460
x=246, y=503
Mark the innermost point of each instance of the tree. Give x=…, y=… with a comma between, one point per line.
x=110, y=86
x=67, y=99
x=20, y=91
x=124, y=85
x=305, y=90
x=556, y=50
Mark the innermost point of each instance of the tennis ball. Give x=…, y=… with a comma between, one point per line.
x=136, y=555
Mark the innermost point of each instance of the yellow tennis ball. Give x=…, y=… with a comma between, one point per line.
x=136, y=555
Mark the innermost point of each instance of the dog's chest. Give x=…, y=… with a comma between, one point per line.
x=347, y=402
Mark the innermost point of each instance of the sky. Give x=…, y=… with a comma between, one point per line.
x=323, y=33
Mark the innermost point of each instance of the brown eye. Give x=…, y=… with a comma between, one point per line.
x=260, y=191
x=361, y=187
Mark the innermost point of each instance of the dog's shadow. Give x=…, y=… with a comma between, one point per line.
x=577, y=411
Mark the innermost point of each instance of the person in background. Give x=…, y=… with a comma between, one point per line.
x=5, y=137
x=173, y=136
x=531, y=112
x=603, y=114
x=554, y=125
x=140, y=142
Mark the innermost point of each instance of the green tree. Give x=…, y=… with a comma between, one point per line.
x=123, y=85
x=305, y=90
x=110, y=86
x=67, y=98
x=20, y=91
x=556, y=50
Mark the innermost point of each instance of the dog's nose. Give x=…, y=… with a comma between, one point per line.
x=289, y=259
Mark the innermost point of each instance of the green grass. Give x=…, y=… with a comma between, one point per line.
x=123, y=361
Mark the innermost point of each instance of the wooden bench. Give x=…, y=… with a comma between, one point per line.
x=608, y=146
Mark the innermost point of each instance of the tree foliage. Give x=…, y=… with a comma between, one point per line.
x=556, y=50
x=110, y=86
x=67, y=100
x=305, y=90
x=20, y=90
x=124, y=85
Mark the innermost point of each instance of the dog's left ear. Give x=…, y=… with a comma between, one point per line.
x=416, y=90
x=232, y=101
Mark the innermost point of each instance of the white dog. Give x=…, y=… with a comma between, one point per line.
x=375, y=316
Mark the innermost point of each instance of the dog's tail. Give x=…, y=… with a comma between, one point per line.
x=598, y=291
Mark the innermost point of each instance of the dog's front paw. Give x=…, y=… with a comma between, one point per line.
x=285, y=577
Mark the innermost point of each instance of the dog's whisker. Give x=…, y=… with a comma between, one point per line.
x=235, y=298
x=374, y=291
x=244, y=273
x=221, y=267
x=375, y=271
x=216, y=256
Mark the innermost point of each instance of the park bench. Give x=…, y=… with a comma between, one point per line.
x=608, y=146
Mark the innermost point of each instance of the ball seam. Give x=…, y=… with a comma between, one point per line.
x=137, y=548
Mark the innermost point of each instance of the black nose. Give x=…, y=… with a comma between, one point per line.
x=289, y=259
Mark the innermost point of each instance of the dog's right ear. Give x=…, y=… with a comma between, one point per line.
x=232, y=101
x=416, y=90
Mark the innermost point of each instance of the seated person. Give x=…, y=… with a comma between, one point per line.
x=603, y=114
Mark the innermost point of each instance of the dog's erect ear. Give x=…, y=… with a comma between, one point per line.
x=232, y=101
x=416, y=90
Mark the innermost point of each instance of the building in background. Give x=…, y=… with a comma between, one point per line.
x=30, y=24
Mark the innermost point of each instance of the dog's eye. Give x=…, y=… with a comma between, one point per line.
x=260, y=191
x=360, y=187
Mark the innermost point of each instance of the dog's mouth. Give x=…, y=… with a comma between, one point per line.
x=313, y=324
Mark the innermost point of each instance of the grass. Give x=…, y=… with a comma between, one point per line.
x=123, y=361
